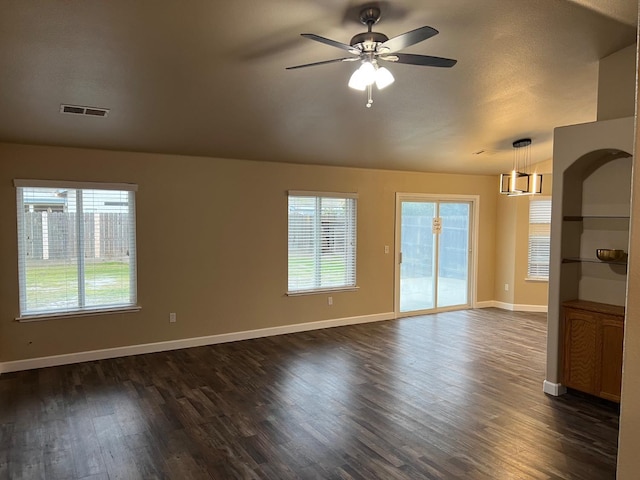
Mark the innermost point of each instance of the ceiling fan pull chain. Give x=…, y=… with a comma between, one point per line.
x=369, y=96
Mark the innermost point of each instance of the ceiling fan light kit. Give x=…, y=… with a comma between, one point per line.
x=363, y=76
x=368, y=74
x=384, y=78
x=520, y=180
x=369, y=47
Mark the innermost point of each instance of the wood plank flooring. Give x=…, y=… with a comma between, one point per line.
x=456, y=395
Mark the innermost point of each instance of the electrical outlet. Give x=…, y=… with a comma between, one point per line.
x=386, y=249
x=506, y=287
x=172, y=318
x=329, y=300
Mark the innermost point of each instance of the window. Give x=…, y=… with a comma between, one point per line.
x=322, y=241
x=539, y=238
x=76, y=247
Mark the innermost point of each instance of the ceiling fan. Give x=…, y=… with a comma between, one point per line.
x=369, y=47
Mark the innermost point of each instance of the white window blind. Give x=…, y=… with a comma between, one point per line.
x=322, y=241
x=539, y=237
x=76, y=247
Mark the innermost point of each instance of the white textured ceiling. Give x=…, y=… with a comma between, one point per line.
x=208, y=77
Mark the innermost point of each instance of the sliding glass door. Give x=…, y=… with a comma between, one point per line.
x=453, y=254
x=434, y=238
x=417, y=256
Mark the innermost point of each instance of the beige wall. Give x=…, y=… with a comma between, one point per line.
x=628, y=458
x=212, y=244
x=512, y=240
x=506, y=219
x=529, y=292
x=617, y=84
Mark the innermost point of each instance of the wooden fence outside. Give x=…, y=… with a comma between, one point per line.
x=54, y=235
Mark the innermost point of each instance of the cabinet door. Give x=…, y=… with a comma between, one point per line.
x=611, y=337
x=580, y=352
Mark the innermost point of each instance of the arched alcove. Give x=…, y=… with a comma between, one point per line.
x=596, y=199
x=591, y=204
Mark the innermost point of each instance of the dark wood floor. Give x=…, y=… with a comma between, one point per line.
x=446, y=396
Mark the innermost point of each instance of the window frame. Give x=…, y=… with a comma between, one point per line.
x=351, y=260
x=81, y=309
x=530, y=234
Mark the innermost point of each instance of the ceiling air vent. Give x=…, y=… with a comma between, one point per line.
x=483, y=152
x=80, y=110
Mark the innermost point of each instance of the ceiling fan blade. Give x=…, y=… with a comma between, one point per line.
x=424, y=60
x=407, y=39
x=328, y=41
x=325, y=62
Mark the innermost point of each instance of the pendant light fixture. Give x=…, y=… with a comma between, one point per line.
x=521, y=180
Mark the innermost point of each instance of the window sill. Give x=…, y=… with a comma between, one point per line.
x=320, y=292
x=78, y=313
x=536, y=279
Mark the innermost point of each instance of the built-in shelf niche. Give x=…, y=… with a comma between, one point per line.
x=596, y=205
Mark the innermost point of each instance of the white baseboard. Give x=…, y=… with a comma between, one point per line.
x=485, y=304
x=66, y=359
x=512, y=307
x=554, y=389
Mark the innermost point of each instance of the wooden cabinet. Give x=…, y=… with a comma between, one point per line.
x=593, y=336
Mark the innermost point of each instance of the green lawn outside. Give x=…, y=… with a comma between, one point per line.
x=303, y=267
x=52, y=285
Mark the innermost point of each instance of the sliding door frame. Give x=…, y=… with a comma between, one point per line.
x=474, y=201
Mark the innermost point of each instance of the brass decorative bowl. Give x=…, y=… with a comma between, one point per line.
x=610, y=255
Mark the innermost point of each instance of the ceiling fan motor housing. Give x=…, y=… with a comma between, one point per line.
x=368, y=41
